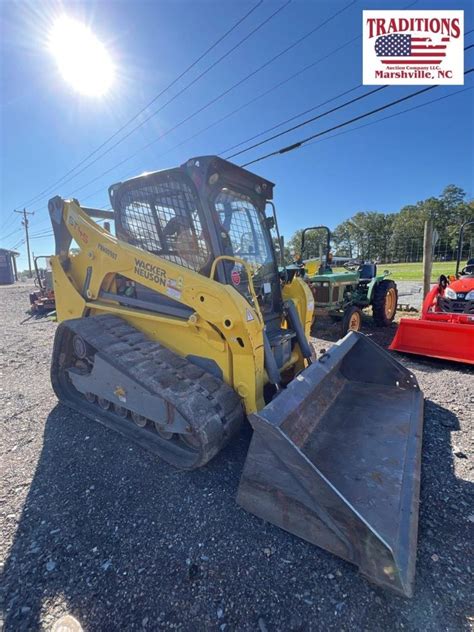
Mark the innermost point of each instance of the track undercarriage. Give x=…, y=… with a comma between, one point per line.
x=106, y=369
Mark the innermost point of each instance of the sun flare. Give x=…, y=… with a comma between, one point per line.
x=82, y=59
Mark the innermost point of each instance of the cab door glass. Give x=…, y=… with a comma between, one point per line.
x=162, y=216
x=244, y=236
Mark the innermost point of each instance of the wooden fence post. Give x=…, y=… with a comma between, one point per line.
x=427, y=256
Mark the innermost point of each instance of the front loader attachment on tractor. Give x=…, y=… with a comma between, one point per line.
x=437, y=334
x=335, y=459
x=446, y=340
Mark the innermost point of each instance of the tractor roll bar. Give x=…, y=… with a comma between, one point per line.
x=460, y=244
x=328, y=244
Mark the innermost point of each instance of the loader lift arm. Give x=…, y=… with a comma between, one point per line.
x=219, y=315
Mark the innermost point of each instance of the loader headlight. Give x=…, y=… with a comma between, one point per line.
x=470, y=296
x=449, y=293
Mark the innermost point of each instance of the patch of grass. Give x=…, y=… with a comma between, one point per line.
x=414, y=271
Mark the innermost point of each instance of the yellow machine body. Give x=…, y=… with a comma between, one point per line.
x=224, y=326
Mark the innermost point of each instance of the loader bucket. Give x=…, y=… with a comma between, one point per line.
x=435, y=339
x=335, y=459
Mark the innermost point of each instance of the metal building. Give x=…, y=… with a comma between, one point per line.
x=8, y=271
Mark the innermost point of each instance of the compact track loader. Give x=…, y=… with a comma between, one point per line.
x=180, y=326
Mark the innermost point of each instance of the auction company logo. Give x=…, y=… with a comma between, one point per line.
x=413, y=47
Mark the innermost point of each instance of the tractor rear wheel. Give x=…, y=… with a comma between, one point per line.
x=384, y=303
x=351, y=320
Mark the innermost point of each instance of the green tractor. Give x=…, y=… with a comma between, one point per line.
x=343, y=295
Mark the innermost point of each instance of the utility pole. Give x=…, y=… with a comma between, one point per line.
x=25, y=221
x=427, y=256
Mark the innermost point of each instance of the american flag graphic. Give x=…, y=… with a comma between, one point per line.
x=406, y=49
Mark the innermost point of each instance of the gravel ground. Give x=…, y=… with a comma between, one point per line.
x=410, y=293
x=105, y=532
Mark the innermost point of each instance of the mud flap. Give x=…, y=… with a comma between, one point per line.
x=435, y=339
x=335, y=459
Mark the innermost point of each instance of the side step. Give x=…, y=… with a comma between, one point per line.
x=336, y=459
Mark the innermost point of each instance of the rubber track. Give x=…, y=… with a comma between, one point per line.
x=211, y=407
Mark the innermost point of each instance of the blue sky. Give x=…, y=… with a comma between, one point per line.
x=47, y=128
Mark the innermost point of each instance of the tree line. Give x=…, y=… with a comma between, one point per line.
x=396, y=237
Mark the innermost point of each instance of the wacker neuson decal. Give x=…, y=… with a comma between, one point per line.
x=150, y=272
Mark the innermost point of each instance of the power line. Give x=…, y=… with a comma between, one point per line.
x=12, y=233
x=50, y=234
x=303, y=123
x=416, y=107
x=298, y=144
x=179, y=93
x=42, y=230
x=215, y=122
x=170, y=85
x=17, y=245
x=384, y=118
x=260, y=96
x=155, y=98
x=269, y=129
x=221, y=95
x=228, y=115
x=241, y=107
x=7, y=219
x=43, y=233
x=202, y=74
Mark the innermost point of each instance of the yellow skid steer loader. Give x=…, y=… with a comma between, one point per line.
x=180, y=326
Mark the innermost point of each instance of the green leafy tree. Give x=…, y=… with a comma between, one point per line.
x=366, y=236
x=371, y=235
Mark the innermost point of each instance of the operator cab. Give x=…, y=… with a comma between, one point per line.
x=236, y=201
x=194, y=214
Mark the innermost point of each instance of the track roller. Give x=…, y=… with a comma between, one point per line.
x=111, y=372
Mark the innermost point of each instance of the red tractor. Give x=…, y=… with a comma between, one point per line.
x=446, y=327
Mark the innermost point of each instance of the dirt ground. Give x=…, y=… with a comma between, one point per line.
x=93, y=527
